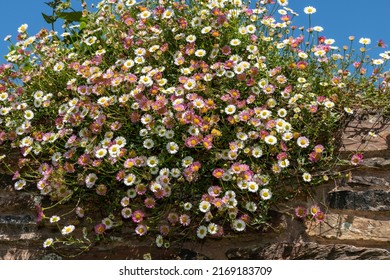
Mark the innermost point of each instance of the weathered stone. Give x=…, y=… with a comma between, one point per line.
x=378, y=162
x=16, y=201
x=15, y=254
x=370, y=200
x=347, y=227
x=134, y=252
x=368, y=133
x=52, y=256
x=309, y=251
x=368, y=181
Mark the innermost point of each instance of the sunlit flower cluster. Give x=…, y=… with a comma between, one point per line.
x=314, y=212
x=176, y=116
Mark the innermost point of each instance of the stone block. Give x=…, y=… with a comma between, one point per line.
x=370, y=200
x=366, y=133
x=350, y=228
x=309, y=251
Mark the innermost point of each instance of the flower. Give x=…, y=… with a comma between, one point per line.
x=380, y=44
x=251, y=206
x=100, y=228
x=137, y=216
x=300, y=212
x=80, y=212
x=365, y=41
x=212, y=228
x=270, y=139
x=378, y=61
x=59, y=66
x=265, y=194
x=126, y=212
x=23, y=28
x=129, y=180
x=306, y=177
x=348, y=110
x=235, y=42
x=90, y=40
x=200, y=53
x=252, y=187
x=320, y=216
x=172, y=147
x=140, y=116
x=159, y=241
x=239, y=225
x=185, y=220
x=90, y=180
x=141, y=230
x=108, y=223
x=100, y=153
x=309, y=10
x=54, y=219
x=48, y=242
x=204, y=206
x=67, y=229
x=303, y=142
x=201, y=232
x=19, y=184
x=314, y=209
x=230, y=109
x=357, y=159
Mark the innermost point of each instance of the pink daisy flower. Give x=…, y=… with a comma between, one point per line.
x=137, y=216
x=300, y=212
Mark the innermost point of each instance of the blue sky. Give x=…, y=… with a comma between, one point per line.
x=339, y=18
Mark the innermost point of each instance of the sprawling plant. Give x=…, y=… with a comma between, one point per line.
x=177, y=117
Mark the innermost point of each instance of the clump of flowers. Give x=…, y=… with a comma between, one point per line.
x=313, y=212
x=176, y=116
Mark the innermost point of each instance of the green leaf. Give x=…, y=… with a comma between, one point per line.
x=49, y=19
x=70, y=16
x=83, y=25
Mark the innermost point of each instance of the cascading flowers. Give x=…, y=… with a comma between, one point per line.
x=173, y=116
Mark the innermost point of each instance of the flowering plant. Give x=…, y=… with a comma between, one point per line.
x=177, y=117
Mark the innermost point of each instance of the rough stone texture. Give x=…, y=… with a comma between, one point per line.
x=348, y=227
x=356, y=136
x=370, y=200
x=378, y=162
x=357, y=224
x=309, y=250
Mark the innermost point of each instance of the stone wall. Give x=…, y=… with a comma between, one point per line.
x=357, y=224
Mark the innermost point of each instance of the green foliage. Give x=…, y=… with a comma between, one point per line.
x=171, y=118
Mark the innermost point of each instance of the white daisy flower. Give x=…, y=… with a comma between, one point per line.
x=100, y=153
x=253, y=186
x=90, y=180
x=172, y=148
x=54, y=219
x=265, y=194
x=230, y=109
x=201, y=232
x=19, y=184
x=309, y=10
x=303, y=142
x=129, y=180
x=306, y=177
x=68, y=229
x=48, y=242
x=204, y=206
x=148, y=144
x=270, y=139
x=239, y=225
